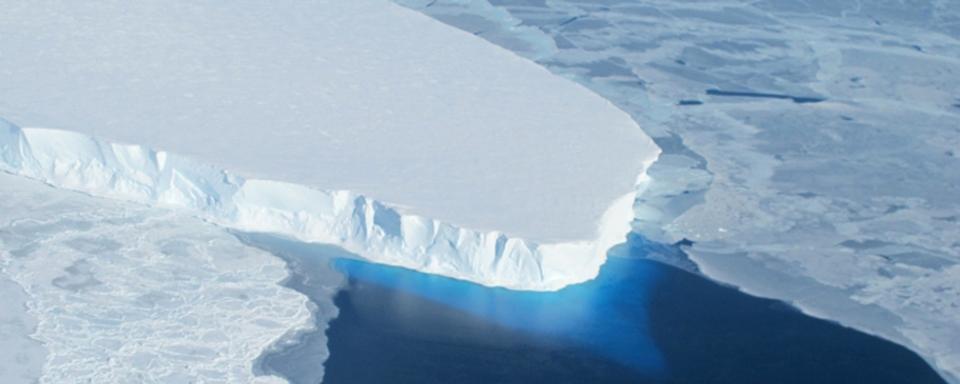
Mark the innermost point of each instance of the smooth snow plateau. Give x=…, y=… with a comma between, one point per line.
x=515, y=168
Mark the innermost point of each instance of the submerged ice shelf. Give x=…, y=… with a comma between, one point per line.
x=358, y=224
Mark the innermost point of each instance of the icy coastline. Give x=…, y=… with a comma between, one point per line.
x=360, y=225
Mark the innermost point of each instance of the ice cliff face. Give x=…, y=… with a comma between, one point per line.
x=358, y=224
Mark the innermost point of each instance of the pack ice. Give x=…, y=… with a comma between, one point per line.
x=356, y=123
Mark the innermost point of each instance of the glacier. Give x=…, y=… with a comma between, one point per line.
x=360, y=123
x=365, y=96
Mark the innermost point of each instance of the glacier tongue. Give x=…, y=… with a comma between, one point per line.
x=359, y=224
x=359, y=95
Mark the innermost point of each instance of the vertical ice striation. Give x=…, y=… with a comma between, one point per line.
x=359, y=224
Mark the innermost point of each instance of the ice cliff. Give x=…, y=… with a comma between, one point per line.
x=359, y=224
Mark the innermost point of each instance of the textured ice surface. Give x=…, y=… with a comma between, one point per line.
x=124, y=293
x=361, y=95
x=848, y=207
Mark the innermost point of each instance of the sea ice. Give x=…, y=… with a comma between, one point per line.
x=120, y=293
x=22, y=357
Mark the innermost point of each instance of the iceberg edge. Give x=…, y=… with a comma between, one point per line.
x=369, y=228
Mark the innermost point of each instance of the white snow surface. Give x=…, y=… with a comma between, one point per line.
x=360, y=225
x=359, y=95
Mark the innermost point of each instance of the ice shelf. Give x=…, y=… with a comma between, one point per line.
x=361, y=95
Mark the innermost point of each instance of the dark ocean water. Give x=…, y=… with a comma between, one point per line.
x=639, y=322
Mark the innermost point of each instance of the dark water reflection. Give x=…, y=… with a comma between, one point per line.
x=639, y=322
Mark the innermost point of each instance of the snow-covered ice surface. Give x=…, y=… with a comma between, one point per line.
x=120, y=293
x=482, y=155
x=811, y=149
x=360, y=95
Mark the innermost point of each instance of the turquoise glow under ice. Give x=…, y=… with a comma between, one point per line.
x=607, y=316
